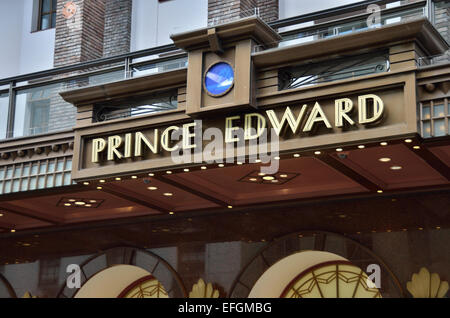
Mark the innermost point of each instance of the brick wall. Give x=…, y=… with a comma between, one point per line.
x=442, y=24
x=268, y=10
x=79, y=38
x=222, y=11
x=117, y=32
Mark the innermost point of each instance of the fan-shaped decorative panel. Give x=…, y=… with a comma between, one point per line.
x=332, y=280
x=146, y=287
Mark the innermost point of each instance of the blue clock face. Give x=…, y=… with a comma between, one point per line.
x=219, y=79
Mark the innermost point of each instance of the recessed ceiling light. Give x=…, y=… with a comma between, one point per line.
x=86, y=183
x=88, y=205
x=203, y=168
x=72, y=200
x=13, y=231
x=99, y=188
x=380, y=191
x=171, y=213
x=67, y=204
x=133, y=177
x=268, y=178
x=80, y=203
x=416, y=147
x=317, y=153
x=169, y=172
x=257, y=160
x=296, y=155
x=277, y=158
x=253, y=179
x=230, y=206
x=221, y=165
x=102, y=181
x=151, y=174
x=361, y=146
x=239, y=163
x=384, y=159
x=396, y=168
x=339, y=149
x=186, y=170
x=261, y=174
x=92, y=201
x=152, y=188
x=283, y=175
x=408, y=141
x=118, y=178
x=167, y=194
x=275, y=181
x=384, y=143
x=1, y=214
x=420, y=228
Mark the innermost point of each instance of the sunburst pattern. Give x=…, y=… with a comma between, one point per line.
x=332, y=280
x=147, y=287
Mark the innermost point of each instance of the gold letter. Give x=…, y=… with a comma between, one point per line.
x=378, y=108
x=113, y=143
x=313, y=118
x=98, y=145
x=229, y=129
x=139, y=137
x=342, y=107
x=187, y=136
x=261, y=124
x=165, y=139
x=287, y=116
x=127, y=150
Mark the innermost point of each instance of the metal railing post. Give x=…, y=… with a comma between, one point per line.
x=11, y=110
x=127, y=67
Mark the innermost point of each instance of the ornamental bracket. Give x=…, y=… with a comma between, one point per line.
x=215, y=43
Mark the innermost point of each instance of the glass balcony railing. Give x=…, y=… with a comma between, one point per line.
x=31, y=104
x=361, y=22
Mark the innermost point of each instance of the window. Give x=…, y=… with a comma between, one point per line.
x=332, y=70
x=137, y=105
x=46, y=14
x=435, y=118
x=4, y=104
x=32, y=112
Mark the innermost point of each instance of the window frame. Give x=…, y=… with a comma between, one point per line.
x=40, y=14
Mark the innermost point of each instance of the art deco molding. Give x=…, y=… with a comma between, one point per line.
x=37, y=147
x=427, y=285
x=203, y=290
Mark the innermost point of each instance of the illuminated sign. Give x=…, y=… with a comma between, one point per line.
x=370, y=110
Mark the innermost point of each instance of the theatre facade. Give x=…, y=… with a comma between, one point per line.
x=319, y=169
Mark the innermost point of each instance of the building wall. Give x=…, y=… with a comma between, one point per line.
x=11, y=26
x=117, y=33
x=442, y=24
x=153, y=21
x=269, y=10
x=79, y=38
x=289, y=8
x=25, y=51
x=223, y=11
